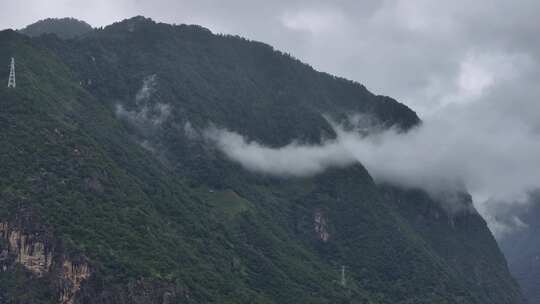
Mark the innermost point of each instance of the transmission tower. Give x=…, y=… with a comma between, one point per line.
x=11, y=80
x=343, y=279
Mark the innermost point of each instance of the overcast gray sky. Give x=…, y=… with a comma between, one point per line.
x=469, y=68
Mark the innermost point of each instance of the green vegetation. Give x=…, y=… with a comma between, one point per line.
x=157, y=210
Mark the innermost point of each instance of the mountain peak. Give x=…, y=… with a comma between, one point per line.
x=65, y=28
x=139, y=18
x=137, y=22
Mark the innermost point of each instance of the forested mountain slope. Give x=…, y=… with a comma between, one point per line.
x=111, y=194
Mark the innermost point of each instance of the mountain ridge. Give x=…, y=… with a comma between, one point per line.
x=65, y=28
x=154, y=215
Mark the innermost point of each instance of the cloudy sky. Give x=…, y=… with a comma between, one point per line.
x=469, y=68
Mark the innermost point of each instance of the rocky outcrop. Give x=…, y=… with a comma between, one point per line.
x=35, y=251
x=72, y=275
x=320, y=225
x=30, y=250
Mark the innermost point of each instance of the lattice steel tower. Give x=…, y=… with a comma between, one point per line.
x=11, y=80
x=343, y=281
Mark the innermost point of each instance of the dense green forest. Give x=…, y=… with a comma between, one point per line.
x=104, y=170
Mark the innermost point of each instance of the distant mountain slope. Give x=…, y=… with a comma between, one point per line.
x=111, y=195
x=63, y=27
x=522, y=249
x=462, y=239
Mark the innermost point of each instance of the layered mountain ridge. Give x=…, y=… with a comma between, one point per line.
x=117, y=198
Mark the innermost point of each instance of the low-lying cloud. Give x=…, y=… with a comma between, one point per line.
x=493, y=158
x=294, y=159
x=145, y=114
x=484, y=144
x=496, y=161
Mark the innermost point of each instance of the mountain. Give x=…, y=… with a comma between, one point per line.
x=62, y=27
x=522, y=249
x=111, y=193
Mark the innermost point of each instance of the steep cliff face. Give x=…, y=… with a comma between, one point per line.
x=102, y=143
x=72, y=276
x=33, y=247
x=320, y=225
x=28, y=250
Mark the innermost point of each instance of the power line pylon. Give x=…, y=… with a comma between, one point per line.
x=11, y=80
x=343, y=281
